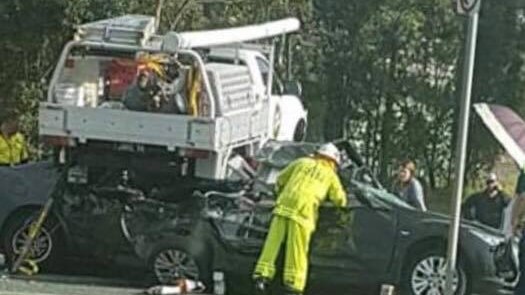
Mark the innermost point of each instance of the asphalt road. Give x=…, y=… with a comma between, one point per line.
x=67, y=285
x=63, y=285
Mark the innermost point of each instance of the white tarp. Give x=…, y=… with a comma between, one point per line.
x=507, y=127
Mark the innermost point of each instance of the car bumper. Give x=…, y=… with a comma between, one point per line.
x=493, y=286
x=489, y=271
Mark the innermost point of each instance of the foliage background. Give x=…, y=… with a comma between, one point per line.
x=385, y=74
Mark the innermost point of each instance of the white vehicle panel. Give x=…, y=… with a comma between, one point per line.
x=101, y=124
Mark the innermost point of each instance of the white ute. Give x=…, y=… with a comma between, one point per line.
x=210, y=95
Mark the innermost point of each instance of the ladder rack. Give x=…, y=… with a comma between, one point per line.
x=127, y=29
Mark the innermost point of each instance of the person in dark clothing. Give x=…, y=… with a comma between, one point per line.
x=408, y=188
x=487, y=206
x=139, y=97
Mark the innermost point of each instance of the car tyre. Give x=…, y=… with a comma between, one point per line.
x=47, y=246
x=299, y=134
x=425, y=274
x=171, y=262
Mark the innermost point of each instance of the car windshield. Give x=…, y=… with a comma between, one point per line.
x=279, y=154
x=274, y=156
x=356, y=176
x=376, y=196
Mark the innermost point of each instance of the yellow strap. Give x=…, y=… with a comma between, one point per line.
x=29, y=267
x=194, y=94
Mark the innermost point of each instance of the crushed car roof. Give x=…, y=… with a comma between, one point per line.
x=278, y=154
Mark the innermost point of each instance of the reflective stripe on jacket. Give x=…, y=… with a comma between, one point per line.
x=13, y=150
x=303, y=185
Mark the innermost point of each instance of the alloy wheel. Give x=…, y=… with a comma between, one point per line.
x=40, y=249
x=429, y=276
x=172, y=264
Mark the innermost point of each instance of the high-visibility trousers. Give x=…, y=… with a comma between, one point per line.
x=296, y=255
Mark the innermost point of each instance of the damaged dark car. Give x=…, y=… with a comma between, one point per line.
x=94, y=216
x=377, y=239
x=159, y=225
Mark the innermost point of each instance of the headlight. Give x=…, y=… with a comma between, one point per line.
x=490, y=239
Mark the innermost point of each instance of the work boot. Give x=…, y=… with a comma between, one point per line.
x=291, y=291
x=261, y=286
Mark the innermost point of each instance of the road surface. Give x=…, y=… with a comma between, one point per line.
x=73, y=285
x=63, y=285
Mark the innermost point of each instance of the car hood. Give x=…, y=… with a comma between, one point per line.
x=30, y=183
x=435, y=217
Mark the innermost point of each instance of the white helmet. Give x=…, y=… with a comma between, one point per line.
x=329, y=150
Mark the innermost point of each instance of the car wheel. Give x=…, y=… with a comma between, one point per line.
x=171, y=263
x=46, y=246
x=426, y=275
x=300, y=131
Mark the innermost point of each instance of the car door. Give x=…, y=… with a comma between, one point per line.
x=352, y=246
x=243, y=236
x=93, y=223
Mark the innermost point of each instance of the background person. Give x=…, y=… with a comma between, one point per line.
x=13, y=146
x=139, y=96
x=407, y=187
x=487, y=206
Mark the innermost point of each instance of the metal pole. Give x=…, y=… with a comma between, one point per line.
x=289, y=73
x=461, y=147
x=160, y=4
x=288, y=45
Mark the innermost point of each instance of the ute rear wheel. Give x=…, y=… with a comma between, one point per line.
x=300, y=131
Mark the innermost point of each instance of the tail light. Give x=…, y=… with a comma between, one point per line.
x=57, y=141
x=70, y=63
x=194, y=153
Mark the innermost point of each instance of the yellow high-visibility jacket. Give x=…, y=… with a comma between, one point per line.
x=13, y=150
x=303, y=186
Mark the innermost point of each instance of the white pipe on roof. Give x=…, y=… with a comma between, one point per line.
x=210, y=38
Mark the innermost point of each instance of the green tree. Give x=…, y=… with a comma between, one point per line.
x=389, y=71
x=384, y=74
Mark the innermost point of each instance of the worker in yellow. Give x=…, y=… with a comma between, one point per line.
x=301, y=188
x=13, y=147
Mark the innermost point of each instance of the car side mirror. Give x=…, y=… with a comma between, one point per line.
x=364, y=198
x=381, y=208
x=293, y=88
